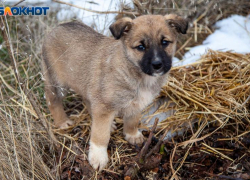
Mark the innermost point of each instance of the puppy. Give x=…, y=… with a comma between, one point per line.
x=117, y=76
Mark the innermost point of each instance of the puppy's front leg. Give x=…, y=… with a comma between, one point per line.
x=100, y=135
x=130, y=129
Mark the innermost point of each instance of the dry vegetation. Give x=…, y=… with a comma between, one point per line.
x=211, y=97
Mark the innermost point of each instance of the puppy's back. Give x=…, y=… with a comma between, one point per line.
x=78, y=28
x=70, y=33
x=68, y=50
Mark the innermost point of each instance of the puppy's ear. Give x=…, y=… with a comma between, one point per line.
x=120, y=27
x=177, y=22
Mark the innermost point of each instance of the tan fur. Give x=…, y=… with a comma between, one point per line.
x=96, y=67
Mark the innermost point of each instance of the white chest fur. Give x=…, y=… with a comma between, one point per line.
x=145, y=94
x=141, y=100
x=134, y=106
x=145, y=97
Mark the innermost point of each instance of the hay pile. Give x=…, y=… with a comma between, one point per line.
x=210, y=97
x=212, y=90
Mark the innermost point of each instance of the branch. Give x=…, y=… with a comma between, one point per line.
x=146, y=146
x=140, y=162
x=99, y=12
x=157, y=146
x=18, y=3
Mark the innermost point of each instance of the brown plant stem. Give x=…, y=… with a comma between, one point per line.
x=99, y=12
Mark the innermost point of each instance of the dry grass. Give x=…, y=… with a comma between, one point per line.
x=213, y=92
x=26, y=151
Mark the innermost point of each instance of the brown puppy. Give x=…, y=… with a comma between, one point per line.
x=115, y=77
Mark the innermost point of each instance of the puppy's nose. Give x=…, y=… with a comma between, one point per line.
x=157, y=65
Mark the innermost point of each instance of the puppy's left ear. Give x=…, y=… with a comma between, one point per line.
x=177, y=22
x=120, y=27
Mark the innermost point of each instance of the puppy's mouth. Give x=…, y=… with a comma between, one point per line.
x=156, y=68
x=158, y=73
x=161, y=71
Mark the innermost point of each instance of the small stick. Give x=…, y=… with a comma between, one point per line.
x=248, y=98
x=157, y=146
x=18, y=2
x=146, y=146
x=99, y=12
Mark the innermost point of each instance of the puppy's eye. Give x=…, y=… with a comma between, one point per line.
x=141, y=47
x=164, y=42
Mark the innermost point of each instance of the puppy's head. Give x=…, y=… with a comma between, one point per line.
x=150, y=40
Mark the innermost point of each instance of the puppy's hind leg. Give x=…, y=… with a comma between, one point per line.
x=54, y=101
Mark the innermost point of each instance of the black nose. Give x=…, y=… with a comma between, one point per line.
x=157, y=65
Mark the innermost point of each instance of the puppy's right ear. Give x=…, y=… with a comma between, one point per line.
x=120, y=27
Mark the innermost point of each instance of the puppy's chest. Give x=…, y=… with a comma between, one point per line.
x=143, y=98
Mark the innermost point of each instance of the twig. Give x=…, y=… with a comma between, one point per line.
x=223, y=176
x=157, y=146
x=99, y=12
x=19, y=2
x=141, y=164
x=181, y=164
x=146, y=146
x=217, y=152
x=244, y=103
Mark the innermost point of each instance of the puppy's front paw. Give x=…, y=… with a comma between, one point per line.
x=135, y=139
x=65, y=124
x=98, y=156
